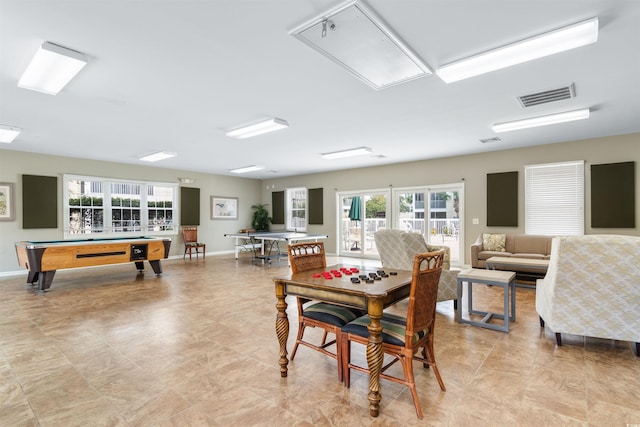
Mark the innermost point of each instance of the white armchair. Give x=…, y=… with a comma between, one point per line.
x=398, y=249
x=592, y=288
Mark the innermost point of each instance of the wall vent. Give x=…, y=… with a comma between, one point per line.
x=486, y=140
x=546, y=96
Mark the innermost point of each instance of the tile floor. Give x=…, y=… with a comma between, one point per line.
x=197, y=347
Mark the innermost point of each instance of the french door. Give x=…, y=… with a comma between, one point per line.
x=361, y=214
x=435, y=212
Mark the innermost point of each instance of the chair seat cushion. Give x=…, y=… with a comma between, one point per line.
x=393, y=332
x=196, y=244
x=332, y=314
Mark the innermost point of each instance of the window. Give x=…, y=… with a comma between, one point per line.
x=125, y=207
x=554, y=198
x=296, y=205
x=108, y=206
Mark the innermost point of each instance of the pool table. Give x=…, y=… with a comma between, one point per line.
x=43, y=258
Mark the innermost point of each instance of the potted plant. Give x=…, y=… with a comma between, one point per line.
x=261, y=218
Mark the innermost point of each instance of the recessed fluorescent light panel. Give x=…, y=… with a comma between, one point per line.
x=8, y=133
x=52, y=68
x=348, y=153
x=161, y=155
x=357, y=39
x=560, y=40
x=550, y=119
x=259, y=128
x=247, y=169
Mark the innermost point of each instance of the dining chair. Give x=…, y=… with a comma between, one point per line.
x=330, y=317
x=402, y=337
x=191, y=243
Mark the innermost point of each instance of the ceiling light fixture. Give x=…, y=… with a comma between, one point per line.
x=160, y=155
x=356, y=38
x=560, y=40
x=247, y=169
x=8, y=133
x=550, y=119
x=348, y=153
x=259, y=128
x=52, y=68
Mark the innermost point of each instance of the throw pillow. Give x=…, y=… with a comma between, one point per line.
x=494, y=242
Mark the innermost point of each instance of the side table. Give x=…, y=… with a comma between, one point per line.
x=506, y=279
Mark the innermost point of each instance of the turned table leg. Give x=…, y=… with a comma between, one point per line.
x=374, y=352
x=282, y=328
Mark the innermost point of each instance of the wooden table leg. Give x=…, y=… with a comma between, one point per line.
x=374, y=352
x=282, y=328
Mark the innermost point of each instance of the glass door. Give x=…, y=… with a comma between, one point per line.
x=361, y=215
x=435, y=212
x=445, y=220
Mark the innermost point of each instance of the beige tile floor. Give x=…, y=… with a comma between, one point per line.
x=197, y=347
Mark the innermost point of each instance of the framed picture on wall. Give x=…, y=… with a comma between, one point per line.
x=7, y=209
x=224, y=207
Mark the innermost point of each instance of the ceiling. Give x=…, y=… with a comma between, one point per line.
x=176, y=75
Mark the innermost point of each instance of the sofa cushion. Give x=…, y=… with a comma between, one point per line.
x=484, y=255
x=529, y=256
x=531, y=244
x=494, y=242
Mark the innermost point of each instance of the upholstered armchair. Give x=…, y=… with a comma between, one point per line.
x=592, y=288
x=398, y=249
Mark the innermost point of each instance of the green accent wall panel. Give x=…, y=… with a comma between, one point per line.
x=189, y=206
x=613, y=195
x=502, y=199
x=277, y=203
x=316, y=206
x=39, y=201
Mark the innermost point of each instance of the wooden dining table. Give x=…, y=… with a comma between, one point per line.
x=372, y=297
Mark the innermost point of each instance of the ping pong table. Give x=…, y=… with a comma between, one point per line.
x=265, y=245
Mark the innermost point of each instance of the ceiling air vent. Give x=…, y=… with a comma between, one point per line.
x=552, y=95
x=487, y=140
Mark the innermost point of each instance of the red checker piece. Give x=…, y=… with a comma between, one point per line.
x=337, y=274
x=317, y=275
x=354, y=270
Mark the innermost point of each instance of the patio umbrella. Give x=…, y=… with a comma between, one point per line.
x=355, y=215
x=354, y=211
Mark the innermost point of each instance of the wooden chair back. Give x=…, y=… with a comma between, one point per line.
x=423, y=296
x=190, y=234
x=306, y=256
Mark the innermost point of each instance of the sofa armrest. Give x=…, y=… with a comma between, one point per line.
x=476, y=248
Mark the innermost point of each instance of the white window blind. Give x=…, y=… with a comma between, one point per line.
x=554, y=198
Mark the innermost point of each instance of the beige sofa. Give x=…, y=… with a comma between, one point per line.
x=592, y=288
x=529, y=246
x=398, y=249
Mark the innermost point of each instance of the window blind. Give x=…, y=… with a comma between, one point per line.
x=554, y=198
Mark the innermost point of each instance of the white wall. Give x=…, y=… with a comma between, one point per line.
x=14, y=164
x=473, y=170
